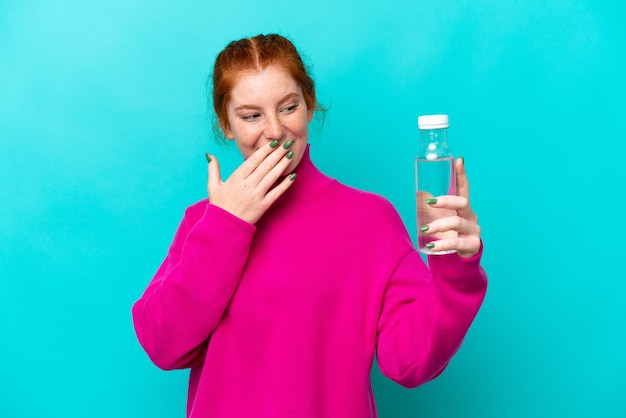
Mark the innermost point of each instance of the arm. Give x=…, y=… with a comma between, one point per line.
x=425, y=316
x=184, y=302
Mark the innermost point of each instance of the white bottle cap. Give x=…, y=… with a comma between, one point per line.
x=432, y=121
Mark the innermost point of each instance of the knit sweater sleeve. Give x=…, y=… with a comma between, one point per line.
x=426, y=314
x=186, y=299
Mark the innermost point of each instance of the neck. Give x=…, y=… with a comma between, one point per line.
x=308, y=177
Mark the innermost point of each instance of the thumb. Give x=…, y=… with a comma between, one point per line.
x=213, y=169
x=462, y=184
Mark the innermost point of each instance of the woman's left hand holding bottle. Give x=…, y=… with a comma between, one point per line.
x=248, y=192
x=465, y=222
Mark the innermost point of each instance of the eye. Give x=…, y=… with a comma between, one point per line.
x=251, y=116
x=290, y=108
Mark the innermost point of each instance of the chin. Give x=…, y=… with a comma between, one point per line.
x=294, y=164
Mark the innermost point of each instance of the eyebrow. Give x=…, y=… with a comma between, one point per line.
x=284, y=99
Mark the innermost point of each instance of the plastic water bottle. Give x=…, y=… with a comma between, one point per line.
x=434, y=176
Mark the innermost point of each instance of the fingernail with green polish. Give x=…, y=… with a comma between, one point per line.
x=431, y=201
x=292, y=176
x=274, y=143
x=287, y=144
x=424, y=228
x=208, y=157
x=289, y=155
x=462, y=159
x=430, y=245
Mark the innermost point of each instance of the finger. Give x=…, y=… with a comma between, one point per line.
x=448, y=202
x=449, y=206
x=269, y=164
x=281, y=188
x=457, y=203
x=451, y=223
x=214, y=176
x=269, y=178
x=462, y=184
x=253, y=161
x=467, y=246
x=463, y=190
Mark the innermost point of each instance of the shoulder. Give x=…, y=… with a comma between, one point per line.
x=370, y=222
x=366, y=200
x=371, y=207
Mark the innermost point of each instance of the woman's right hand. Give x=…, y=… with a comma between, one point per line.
x=248, y=192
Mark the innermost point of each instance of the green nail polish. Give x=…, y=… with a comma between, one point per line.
x=462, y=159
x=430, y=245
x=289, y=155
x=292, y=176
x=431, y=201
x=208, y=157
x=274, y=143
x=287, y=145
x=424, y=228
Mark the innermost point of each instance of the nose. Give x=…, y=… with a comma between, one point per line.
x=274, y=129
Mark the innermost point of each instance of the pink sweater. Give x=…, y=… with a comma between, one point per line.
x=283, y=318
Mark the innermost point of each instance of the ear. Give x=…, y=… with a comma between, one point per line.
x=228, y=133
x=311, y=110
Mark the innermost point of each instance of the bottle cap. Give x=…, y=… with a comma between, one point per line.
x=432, y=121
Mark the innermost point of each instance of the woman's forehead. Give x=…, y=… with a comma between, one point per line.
x=271, y=82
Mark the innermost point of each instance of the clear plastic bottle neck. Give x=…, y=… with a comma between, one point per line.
x=434, y=144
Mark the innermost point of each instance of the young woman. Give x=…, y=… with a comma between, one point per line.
x=279, y=289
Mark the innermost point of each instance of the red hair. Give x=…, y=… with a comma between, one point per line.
x=256, y=54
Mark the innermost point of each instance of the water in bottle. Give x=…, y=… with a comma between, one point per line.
x=434, y=176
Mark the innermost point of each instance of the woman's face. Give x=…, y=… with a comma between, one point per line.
x=268, y=105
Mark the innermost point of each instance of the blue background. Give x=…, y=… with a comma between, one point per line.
x=103, y=129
